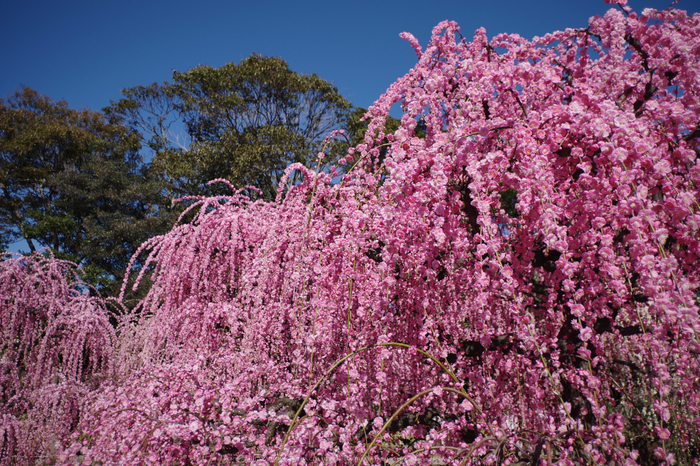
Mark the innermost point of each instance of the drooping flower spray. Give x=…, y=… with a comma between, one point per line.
x=512, y=275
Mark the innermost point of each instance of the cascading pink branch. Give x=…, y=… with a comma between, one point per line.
x=56, y=345
x=509, y=277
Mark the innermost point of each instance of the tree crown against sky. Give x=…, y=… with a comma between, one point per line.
x=75, y=182
x=243, y=122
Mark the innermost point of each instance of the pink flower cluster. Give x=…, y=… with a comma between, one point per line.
x=510, y=277
x=56, y=346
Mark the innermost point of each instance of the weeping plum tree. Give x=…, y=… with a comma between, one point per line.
x=511, y=281
x=56, y=345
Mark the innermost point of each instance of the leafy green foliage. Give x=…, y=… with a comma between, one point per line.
x=244, y=122
x=509, y=201
x=74, y=181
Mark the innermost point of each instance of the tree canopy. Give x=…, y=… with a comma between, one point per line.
x=74, y=181
x=243, y=122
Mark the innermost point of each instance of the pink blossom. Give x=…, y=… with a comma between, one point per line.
x=533, y=256
x=585, y=334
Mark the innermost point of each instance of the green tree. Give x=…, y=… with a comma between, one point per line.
x=74, y=181
x=244, y=122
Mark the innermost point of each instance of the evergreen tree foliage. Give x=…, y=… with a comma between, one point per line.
x=243, y=122
x=74, y=181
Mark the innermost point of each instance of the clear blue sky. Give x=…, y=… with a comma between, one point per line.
x=87, y=51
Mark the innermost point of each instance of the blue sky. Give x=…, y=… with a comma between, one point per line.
x=87, y=51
